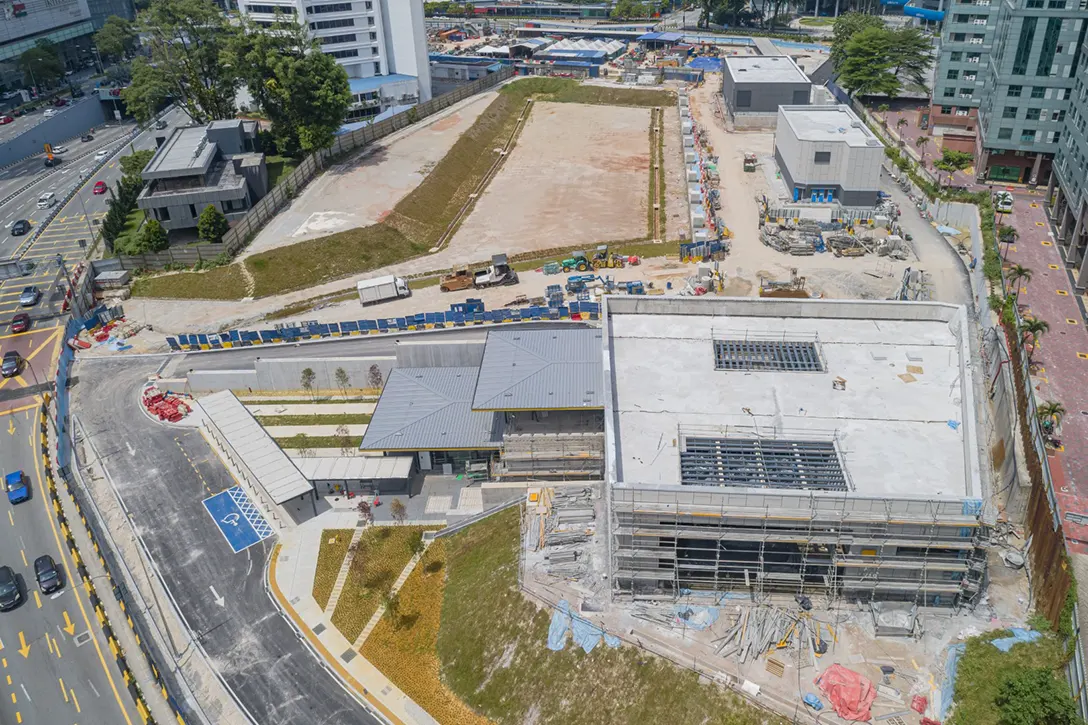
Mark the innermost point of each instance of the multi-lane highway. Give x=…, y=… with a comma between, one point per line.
x=55, y=665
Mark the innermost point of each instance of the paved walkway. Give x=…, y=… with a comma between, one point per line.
x=291, y=576
x=1063, y=373
x=287, y=431
x=312, y=409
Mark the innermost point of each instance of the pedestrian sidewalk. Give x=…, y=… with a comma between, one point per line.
x=290, y=577
x=317, y=431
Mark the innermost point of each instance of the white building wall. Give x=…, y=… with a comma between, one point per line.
x=851, y=167
x=406, y=39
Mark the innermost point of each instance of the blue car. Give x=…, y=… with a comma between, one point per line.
x=15, y=485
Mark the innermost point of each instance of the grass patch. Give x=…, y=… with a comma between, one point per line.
x=221, y=283
x=339, y=419
x=318, y=442
x=278, y=168
x=504, y=671
x=817, y=22
x=379, y=559
x=133, y=222
x=983, y=669
x=405, y=651
x=334, y=547
x=254, y=399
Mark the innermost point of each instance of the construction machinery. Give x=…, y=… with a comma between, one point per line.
x=498, y=273
x=578, y=261
x=458, y=280
x=750, y=162
x=633, y=288
x=602, y=259
x=580, y=282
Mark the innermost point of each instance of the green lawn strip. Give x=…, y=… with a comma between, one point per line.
x=983, y=670
x=250, y=399
x=817, y=22
x=278, y=168
x=317, y=442
x=504, y=671
x=379, y=559
x=133, y=222
x=317, y=419
x=334, y=547
x=221, y=283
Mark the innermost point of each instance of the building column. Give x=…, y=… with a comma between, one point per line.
x=980, y=168
x=1053, y=211
x=1050, y=189
x=1033, y=179
x=1073, y=250
x=1066, y=218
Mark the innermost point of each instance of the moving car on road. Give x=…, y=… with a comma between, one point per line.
x=9, y=368
x=20, y=323
x=99, y=187
x=5, y=120
x=101, y=155
x=47, y=199
x=30, y=296
x=10, y=595
x=15, y=485
x=50, y=112
x=60, y=150
x=86, y=137
x=47, y=574
x=20, y=227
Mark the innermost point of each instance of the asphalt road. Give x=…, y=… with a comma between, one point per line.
x=163, y=473
x=57, y=667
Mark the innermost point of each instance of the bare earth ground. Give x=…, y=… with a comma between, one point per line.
x=578, y=172
x=364, y=188
x=676, y=217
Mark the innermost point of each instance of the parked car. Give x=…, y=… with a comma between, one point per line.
x=47, y=574
x=20, y=227
x=60, y=150
x=9, y=368
x=160, y=124
x=47, y=199
x=10, y=594
x=5, y=120
x=17, y=112
x=16, y=488
x=50, y=112
x=60, y=102
x=99, y=187
x=86, y=137
x=30, y=296
x=20, y=322
x=103, y=154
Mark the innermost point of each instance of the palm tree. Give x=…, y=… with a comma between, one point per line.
x=899, y=129
x=921, y=142
x=1018, y=274
x=1050, y=415
x=1007, y=235
x=883, y=109
x=1033, y=329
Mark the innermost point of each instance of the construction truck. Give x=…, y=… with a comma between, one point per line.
x=457, y=280
x=750, y=162
x=603, y=260
x=497, y=273
x=577, y=260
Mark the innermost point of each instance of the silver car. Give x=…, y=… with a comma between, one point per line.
x=29, y=296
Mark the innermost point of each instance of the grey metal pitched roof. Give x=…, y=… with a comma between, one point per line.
x=540, y=370
x=430, y=409
x=355, y=468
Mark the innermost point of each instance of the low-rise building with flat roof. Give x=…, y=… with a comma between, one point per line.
x=196, y=166
x=757, y=84
x=827, y=154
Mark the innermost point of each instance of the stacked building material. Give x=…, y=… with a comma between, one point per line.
x=164, y=405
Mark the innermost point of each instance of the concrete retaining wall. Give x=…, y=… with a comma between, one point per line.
x=286, y=374
x=69, y=123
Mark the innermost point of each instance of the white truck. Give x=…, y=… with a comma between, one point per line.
x=380, y=289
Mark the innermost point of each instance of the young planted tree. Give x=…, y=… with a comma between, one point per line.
x=1050, y=415
x=899, y=124
x=152, y=238
x=343, y=439
x=301, y=443
x=391, y=602
x=1007, y=235
x=1032, y=330
x=342, y=381
x=212, y=225
x=883, y=109
x=374, y=377
x=398, y=510
x=415, y=543
x=307, y=379
x=1020, y=275
x=366, y=513
x=921, y=142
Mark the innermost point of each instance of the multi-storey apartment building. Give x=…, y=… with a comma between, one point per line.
x=382, y=44
x=1068, y=186
x=1005, y=73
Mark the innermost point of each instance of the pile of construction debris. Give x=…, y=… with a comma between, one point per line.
x=800, y=240
x=564, y=522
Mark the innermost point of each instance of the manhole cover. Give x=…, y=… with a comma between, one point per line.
x=82, y=638
x=349, y=655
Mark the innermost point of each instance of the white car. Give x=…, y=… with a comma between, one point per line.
x=1003, y=202
x=50, y=112
x=47, y=200
x=103, y=154
x=60, y=149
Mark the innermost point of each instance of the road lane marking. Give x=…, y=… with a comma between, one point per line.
x=25, y=563
x=25, y=694
x=24, y=648
x=75, y=701
x=65, y=555
x=38, y=601
x=11, y=518
x=69, y=626
x=13, y=700
x=9, y=679
x=62, y=690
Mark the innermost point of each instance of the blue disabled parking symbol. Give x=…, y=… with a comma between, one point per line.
x=240, y=522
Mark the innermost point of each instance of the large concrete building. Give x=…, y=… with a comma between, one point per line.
x=825, y=154
x=382, y=44
x=218, y=164
x=1069, y=183
x=1005, y=77
x=746, y=451
x=756, y=84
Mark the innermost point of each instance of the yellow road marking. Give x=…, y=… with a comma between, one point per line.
x=79, y=601
x=75, y=700
x=9, y=679
x=38, y=601
x=62, y=690
x=11, y=518
x=18, y=717
x=69, y=626
x=24, y=648
x=13, y=700
x=23, y=552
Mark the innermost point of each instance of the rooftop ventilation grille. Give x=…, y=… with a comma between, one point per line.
x=761, y=463
x=767, y=356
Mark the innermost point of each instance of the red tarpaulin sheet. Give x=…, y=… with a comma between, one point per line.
x=850, y=694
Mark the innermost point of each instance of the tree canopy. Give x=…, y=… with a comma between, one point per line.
x=304, y=92
x=876, y=60
x=846, y=26
x=212, y=225
x=189, y=61
x=42, y=64
x=133, y=164
x=1036, y=697
x=116, y=38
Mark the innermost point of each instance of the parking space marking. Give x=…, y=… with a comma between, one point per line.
x=240, y=522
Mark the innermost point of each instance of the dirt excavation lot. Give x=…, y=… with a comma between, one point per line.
x=365, y=187
x=579, y=174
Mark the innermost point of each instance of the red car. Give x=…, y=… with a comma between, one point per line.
x=20, y=323
x=60, y=103
x=100, y=187
x=4, y=120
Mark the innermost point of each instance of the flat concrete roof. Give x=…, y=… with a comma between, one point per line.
x=765, y=69
x=828, y=123
x=904, y=426
x=186, y=152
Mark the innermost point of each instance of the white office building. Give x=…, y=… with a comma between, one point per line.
x=382, y=44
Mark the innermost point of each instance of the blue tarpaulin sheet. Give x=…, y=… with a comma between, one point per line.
x=713, y=65
x=584, y=633
x=951, y=664
x=1018, y=635
x=695, y=617
x=949, y=231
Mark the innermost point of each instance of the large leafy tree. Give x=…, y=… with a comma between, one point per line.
x=846, y=26
x=304, y=92
x=212, y=225
x=116, y=38
x=189, y=61
x=867, y=68
x=911, y=54
x=42, y=64
x=133, y=165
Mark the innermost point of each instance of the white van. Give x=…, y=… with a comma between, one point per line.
x=47, y=200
